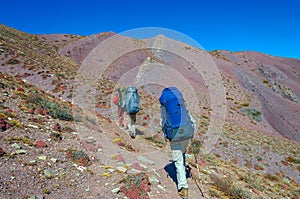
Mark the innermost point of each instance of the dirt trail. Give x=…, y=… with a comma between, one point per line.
x=156, y=161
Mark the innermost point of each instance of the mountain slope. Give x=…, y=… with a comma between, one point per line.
x=50, y=148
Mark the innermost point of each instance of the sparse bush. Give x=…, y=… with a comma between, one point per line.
x=266, y=81
x=253, y=114
x=228, y=187
x=57, y=111
x=253, y=181
x=292, y=160
x=259, y=167
x=212, y=159
x=12, y=61
x=195, y=146
x=24, y=140
x=246, y=104
x=259, y=158
x=157, y=140
x=215, y=193
x=123, y=144
x=54, y=109
x=15, y=123
x=78, y=157
x=272, y=177
x=136, y=186
x=46, y=191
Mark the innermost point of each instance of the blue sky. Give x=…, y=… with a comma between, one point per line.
x=268, y=26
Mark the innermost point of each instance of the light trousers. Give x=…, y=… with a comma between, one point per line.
x=178, y=156
x=131, y=120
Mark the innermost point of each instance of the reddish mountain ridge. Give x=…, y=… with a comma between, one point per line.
x=271, y=81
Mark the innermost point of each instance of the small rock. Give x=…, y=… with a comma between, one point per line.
x=48, y=173
x=105, y=166
x=44, y=112
x=38, y=111
x=256, y=192
x=120, y=158
x=81, y=168
x=2, y=152
x=16, y=146
x=142, y=158
x=55, y=136
x=90, y=140
x=111, y=170
x=20, y=152
x=30, y=111
x=42, y=157
x=153, y=179
x=105, y=175
x=40, y=144
x=31, y=163
x=33, y=126
x=161, y=187
x=144, y=166
x=57, y=127
x=54, y=160
x=3, y=125
x=286, y=181
x=115, y=190
x=40, y=197
x=137, y=166
x=122, y=169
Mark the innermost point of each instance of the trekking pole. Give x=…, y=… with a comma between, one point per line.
x=193, y=148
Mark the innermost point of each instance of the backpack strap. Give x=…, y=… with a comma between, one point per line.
x=167, y=114
x=167, y=123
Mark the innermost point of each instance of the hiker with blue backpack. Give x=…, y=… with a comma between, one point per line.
x=178, y=127
x=132, y=107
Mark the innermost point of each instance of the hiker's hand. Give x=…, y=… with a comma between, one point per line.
x=167, y=140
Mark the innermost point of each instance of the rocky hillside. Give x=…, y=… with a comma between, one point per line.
x=53, y=147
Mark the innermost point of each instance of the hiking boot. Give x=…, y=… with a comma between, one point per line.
x=183, y=192
x=132, y=135
x=188, y=171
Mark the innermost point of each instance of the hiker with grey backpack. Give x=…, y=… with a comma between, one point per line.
x=119, y=100
x=178, y=127
x=132, y=107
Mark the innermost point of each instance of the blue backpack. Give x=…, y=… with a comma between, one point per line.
x=177, y=124
x=132, y=100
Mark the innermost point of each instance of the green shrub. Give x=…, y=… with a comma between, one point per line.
x=229, y=188
x=56, y=110
x=246, y=104
x=24, y=140
x=272, y=177
x=253, y=114
x=136, y=186
x=292, y=160
x=157, y=140
x=253, y=180
x=12, y=61
x=78, y=157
